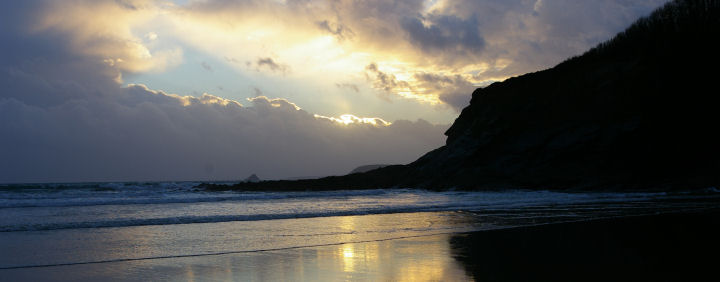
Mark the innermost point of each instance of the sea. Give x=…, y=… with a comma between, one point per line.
x=127, y=231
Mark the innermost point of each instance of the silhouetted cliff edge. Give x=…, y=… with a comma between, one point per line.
x=639, y=111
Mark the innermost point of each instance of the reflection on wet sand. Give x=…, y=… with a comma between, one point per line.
x=413, y=259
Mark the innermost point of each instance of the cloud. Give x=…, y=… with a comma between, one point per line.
x=103, y=30
x=452, y=89
x=63, y=117
x=384, y=81
x=142, y=134
x=206, y=66
x=429, y=87
x=352, y=119
x=537, y=6
x=257, y=92
x=271, y=64
x=231, y=60
x=151, y=36
x=489, y=39
x=442, y=34
x=340, y=32
x=350, y=86
x=482, y=41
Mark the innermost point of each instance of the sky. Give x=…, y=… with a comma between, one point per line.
x=152, y=90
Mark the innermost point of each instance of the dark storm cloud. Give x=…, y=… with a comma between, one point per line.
x=140, y=134
x=64, y=117
x=537, y=34
x=445, y=34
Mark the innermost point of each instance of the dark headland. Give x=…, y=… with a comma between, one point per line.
x=639, y=111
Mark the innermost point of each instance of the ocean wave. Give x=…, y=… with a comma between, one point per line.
x=155, y=204
x=160, y=196
x=479, y=210
x=209, y=219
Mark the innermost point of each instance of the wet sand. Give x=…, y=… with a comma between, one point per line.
x=668, y=247
x=425, y=258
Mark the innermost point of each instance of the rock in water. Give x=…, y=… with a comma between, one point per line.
x=252, y=178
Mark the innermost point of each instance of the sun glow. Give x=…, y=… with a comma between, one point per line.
x=261, y=41
x=348, y=119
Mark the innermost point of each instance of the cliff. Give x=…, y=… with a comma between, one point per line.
x=639, y=111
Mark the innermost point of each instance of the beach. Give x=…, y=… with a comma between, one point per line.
x=426, y=258
x=173, y=232
x=215, y=140
x=664, y=247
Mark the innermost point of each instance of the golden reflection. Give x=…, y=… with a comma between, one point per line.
x=348, y=255
x=413, y=259
x=417, y=259
x=348, y=251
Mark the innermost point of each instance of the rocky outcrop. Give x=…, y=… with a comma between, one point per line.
x=252, y=179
